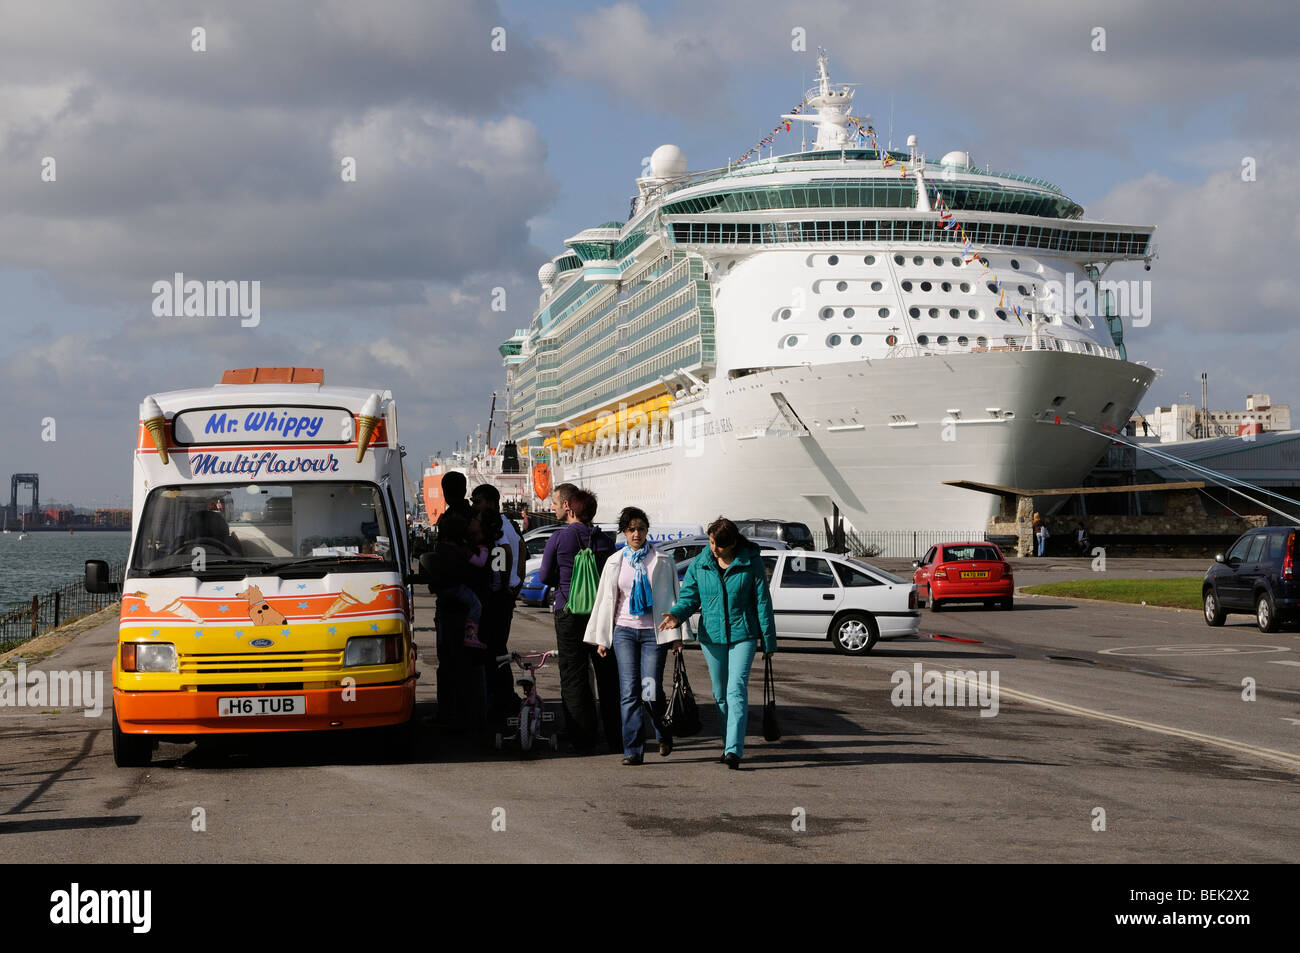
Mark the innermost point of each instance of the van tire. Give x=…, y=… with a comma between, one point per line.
x=1214, y=614
x=131, y=751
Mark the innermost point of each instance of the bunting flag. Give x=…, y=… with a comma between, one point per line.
x=771, y=137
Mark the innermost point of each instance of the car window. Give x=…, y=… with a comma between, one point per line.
x=769, y=566
x=1276, y=546
x=797, y=532
x=929, y=555
x=807, y=573
x=1239, y=548
x=853, y=577
x=1256, y=549
x=965, y=553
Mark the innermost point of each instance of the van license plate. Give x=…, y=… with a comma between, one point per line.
x=262, y=705
x=975, y=575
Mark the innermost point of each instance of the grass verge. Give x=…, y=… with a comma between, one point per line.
x=1179, y=593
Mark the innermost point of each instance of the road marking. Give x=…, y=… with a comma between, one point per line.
x=1276, y=661
x=1284, y=758
x=1201, y=648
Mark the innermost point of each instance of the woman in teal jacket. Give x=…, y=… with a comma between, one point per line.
x=727, y=585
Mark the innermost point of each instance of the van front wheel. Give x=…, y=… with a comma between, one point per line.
x=130, y=751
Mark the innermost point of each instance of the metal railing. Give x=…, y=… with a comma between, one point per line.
x=53, y=609
x=895, y=544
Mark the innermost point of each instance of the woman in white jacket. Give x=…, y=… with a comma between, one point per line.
x=637, y=585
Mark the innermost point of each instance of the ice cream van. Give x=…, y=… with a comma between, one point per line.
x=268, y=585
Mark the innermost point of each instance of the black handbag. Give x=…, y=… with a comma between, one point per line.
x=771, y=728
x=682, y=718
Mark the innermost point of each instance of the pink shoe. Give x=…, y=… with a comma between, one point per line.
x=471, y=637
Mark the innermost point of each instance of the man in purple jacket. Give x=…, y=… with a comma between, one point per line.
x=576, y=655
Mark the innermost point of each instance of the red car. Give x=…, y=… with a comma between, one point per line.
x=964, y=572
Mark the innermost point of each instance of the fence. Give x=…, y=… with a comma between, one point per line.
x=53, y=609
x=896, y=544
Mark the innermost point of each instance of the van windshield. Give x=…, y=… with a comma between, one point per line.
x=263, y=527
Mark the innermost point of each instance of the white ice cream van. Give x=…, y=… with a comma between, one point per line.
x=267, y=588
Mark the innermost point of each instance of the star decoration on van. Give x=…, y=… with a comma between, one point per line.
x=302, y=605
x=223, y=608
x=198, y=633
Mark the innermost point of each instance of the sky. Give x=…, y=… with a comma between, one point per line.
x=483, y=134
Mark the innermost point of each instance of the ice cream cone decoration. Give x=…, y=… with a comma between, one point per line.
x=367, y=420
x=151, y=416
x=345, y=601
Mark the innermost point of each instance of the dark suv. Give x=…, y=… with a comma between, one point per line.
x=1257, y=575
x=795, y=535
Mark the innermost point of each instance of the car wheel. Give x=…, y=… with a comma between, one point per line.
x=1265, y=616
x=1214, y=614
x=130, y=751
x=1008, y=603
x=935, y=605
x=854, y=634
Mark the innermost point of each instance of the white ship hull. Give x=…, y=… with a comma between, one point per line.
x=878, y=439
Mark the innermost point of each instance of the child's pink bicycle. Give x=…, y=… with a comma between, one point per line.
x=532, y=716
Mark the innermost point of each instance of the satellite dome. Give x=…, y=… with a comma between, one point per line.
x=546, y=274
x=667, y=162
x=956, y=157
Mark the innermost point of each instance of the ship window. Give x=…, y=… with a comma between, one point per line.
x=946, y=286
x=963, y=340
x=827, y=313
x=876, y=286
x=907, y=286
x=841, y=286
x=855, y=340
x=938, y=259
x=898, y=259
x=941, y=339
x=956, y=262
x=1022, y=289
x=918, y=260
x=982, y=341
x=785, y=314
x=869, y=260
x=992, y=287
x=1015, y=265
x=833, y=260
x=954, y=313
x=923, y=339
x=883, y=312
x=965, y=286
x=791, y=341
x=926, y=286
x=1002, y=314
x=849, y=312
x=934, y=312
x=914, y=312
x=833, y=340
x=974, y=314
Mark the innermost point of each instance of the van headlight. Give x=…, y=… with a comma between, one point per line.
x=373, y=650
x=149, y=657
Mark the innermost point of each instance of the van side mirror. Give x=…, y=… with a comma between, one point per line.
x=97, y=578
x=916, y=564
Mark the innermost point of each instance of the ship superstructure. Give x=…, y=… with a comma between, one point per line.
x=806, y=331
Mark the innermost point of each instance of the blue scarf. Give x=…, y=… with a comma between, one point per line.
x=642, y=599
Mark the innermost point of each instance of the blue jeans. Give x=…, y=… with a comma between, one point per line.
x=729, y=671
x=640, y=661
x=1042, y=544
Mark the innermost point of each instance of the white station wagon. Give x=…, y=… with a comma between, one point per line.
x=828, y=596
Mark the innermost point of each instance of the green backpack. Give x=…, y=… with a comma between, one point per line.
x=583, y=582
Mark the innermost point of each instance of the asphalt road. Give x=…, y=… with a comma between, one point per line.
x=1135, y=712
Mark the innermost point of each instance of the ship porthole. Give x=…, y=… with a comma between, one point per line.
x=891, y=340
x=857, y=339
x=833, y=260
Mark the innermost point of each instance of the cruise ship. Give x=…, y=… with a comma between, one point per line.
x=847, y=328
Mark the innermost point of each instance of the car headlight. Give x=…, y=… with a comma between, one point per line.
x=149, y=657
x=373, y=650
